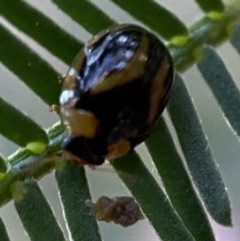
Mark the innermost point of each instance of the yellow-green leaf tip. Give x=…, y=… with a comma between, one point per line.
x=17, y=190
x=2, y=175
x=179, y=41
x=60, y=162
x=214, y=15
x=197, y=54
x=36, y=147
x=230, y=29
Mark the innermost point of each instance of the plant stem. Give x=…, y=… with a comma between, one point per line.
x=203, y=31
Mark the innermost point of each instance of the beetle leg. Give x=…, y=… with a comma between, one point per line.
x=55, y=108
x=118, y=149
x=61, y=78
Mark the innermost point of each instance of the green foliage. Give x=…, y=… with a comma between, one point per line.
x=201, y=164
x=155, y=16
x=29, y=67
x=171, y=213
x=211, y=6
x=38, y=26
x=173, y=174
x=3, y=232
x=236, y=36
x=33, y=208
x=74, y=203
x=3, y=167
x=19, y=128
x=222, y=85
x=151, y=198
x=89, y=14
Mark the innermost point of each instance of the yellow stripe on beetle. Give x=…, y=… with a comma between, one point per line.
x=79, y=123
x=158, y=90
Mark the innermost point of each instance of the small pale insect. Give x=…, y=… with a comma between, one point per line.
x=114, y=93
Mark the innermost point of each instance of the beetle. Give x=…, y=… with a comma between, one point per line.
x=114, y=93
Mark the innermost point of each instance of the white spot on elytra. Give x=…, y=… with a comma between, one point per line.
x=65, y=96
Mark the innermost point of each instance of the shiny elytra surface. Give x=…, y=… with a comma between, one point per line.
x=114, y=93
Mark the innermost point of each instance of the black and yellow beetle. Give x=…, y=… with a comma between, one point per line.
x=114, y=93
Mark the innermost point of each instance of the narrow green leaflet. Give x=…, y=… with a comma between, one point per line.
x=211, y=6
x=38, y=26
x=201, y=164
x=19, y=128
x=177, y=183
x=154, y=203
x=155, y=16
x=3, y=232
x=3, y=166
x=29, y=67
x=235, y=39
x=86, y=13
x=35, y=213
x=222, y=85
x=74, y=191
x=5, y=183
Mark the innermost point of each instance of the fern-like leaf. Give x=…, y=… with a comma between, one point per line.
x=175, y=212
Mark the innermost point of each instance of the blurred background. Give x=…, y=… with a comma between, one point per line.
x=222, y=141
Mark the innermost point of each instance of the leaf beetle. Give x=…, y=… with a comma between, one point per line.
x=114, y=93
